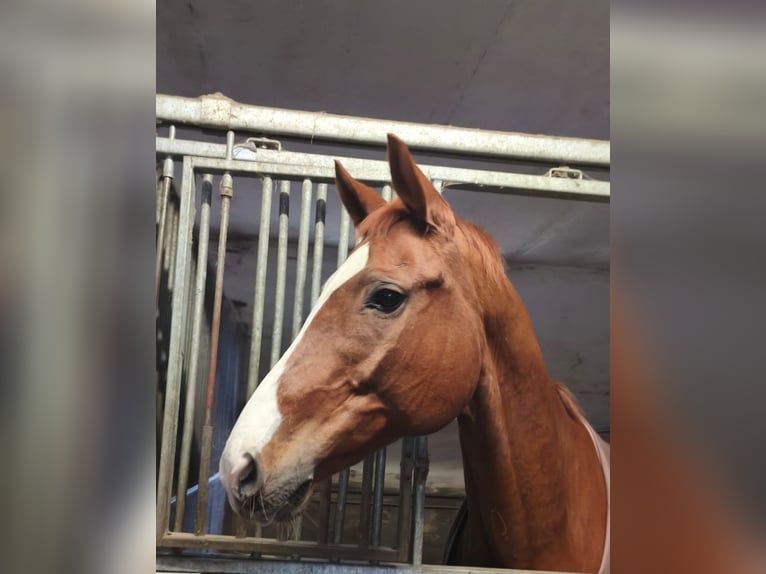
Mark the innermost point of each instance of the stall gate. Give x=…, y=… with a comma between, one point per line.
x=208, y=364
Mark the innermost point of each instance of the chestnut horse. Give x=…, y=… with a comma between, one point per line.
x=419, y=326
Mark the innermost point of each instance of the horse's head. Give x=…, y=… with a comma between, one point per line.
x=392, y=348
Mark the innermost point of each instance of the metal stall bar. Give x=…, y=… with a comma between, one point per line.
x=259, y=299
x=340, y=507
x=279, y=302
x=325, y=489
x=345, y=221
x=421, y=473
x=365, y=500
x=191, y=391
x=172, y=248
x=299, y=166
x=303, y=253
x=319, y=223
x=226, y=190
x=380, y=480
x=166, y=182
x=405, y=500
x=300, y=286
x=218, y=111
x=177, y=331
x=267, y=189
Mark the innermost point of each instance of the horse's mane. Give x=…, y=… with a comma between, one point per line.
x=570, y=402
x=487, y=249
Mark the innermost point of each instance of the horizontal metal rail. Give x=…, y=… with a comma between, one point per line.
x=221, y=112
x=298, y=166
x=238, y=566
x=277, y=548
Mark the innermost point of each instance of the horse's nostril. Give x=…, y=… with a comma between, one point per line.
x=248, y=480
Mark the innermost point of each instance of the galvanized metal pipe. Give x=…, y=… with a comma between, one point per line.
x=165, y=183
x=323, y=524
x=158, y=198
x=194, y=351
x=380, y=480
x=421, y=473
x=319, y=223
x=220, y=112
x=267, y=190
x=173, y=246
x=365, y=501
x=279, y=301
x=325, y=488
x=345, y=220
x=404, y=524
x=303, y=254
x=298, y=166
x=340, y=507
x=229, y=544
x=174, y=370
x=226, y=191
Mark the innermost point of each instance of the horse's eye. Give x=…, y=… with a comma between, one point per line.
x=386, y=300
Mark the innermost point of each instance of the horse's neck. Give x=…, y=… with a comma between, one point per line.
x=520, y=446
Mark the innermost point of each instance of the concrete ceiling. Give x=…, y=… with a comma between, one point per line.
x=535, y=67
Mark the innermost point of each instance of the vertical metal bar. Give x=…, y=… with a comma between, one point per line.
x=319, y=222
x=340, y=507
x=300, y=287
x=279, y=301
x=226, y=190
x=194, y=351
x=380, y=480
x=325, y=489
x=323, y=526
x=158, y=206
x=267, y=190
x=303, y=254
x=421, y=473
x=405, y=500
x=168, y=235
x=173, y=247
x=259, y=296
x=175, y=358
x=387, y=193
x=165, y=182
x=345, y=220
x=365, y=501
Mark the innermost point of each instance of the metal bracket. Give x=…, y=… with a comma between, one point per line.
x=564, y=172
x=248, y=149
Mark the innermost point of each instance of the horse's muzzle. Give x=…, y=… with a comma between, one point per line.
x=243, y=482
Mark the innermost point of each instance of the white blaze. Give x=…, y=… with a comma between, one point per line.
x=260, y=418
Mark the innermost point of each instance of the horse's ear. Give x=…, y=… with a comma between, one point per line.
x=416, y=190
x=358, y=199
